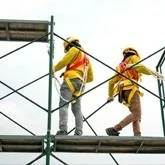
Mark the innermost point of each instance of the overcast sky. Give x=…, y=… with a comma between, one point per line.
x=104, y=28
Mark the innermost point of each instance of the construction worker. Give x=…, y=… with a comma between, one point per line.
x=78, y=72
x=128, y=91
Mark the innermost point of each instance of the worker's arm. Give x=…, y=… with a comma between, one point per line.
x=66, y=60
x=112, y=83
x=140, y=68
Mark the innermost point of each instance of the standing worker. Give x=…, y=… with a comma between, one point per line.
x=78, y=72
x=127, y=91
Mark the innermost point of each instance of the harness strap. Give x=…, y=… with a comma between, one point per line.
x=133, y=73
x=130, y=72
x=71, y=87
x=76, y=65
x=134, y=89
x=82, y=62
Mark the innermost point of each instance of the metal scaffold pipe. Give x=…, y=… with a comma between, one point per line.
x=49, y=94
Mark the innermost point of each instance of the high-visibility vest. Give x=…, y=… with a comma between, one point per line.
x=126, y=84
x=130, y=73
x=79, y=64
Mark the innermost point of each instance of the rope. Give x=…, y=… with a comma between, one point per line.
x=158, y=76
x=81, y=88
x=84, y=79
x=55, y=83
x=155, y=74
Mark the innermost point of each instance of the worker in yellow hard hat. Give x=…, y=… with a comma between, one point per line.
x=78, y=72
x=128, y=90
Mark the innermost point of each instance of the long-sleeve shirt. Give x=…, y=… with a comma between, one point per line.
x=69, y=58
x=140, y=68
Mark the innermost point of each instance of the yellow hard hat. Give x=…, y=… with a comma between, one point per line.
x=131, y=50
x=69, y=39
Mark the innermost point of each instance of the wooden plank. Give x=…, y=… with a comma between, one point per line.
x=109, y=149
x=21, y=143
x=110, y=140
x=84, y=144
x=109, y=144
x=21, y=148
x=25, y=30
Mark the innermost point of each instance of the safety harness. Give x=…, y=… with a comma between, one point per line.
x=80, y=65
x=126, y=84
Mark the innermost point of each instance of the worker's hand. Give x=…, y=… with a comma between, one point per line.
x=62, y=74
x=53, y=69
x=110, y=99
x=159, y=76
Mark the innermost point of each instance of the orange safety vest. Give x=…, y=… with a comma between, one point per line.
x=126, y=84
x=80, y=63
x=130, y=73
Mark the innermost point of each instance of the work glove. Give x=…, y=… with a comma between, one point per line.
x=158, y=75
x=110, y=99
x=62, y=74
x=53, y=71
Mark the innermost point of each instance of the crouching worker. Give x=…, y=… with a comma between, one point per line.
x=127, y=91
x=78, y=72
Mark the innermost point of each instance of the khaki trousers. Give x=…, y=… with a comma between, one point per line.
x=134, y=117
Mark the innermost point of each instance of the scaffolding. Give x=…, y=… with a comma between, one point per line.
x=161, y=88
x=38, y=31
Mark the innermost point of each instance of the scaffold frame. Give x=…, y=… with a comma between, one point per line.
x=161, y=88
x=38, y=31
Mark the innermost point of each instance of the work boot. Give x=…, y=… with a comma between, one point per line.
x=61, y=132
x=137, y=134
x=111, y=132
x=78, y=133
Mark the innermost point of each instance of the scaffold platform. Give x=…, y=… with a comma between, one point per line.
x=31, y=31
x=19, y=143
x=110, y=144
x=84, y=144
x=23, y=30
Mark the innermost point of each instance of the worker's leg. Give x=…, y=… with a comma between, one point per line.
x=63, y=111
x=135, y=115
x=76, y=108
x=136, y=109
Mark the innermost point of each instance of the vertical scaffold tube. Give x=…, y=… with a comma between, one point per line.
x=161, y=89
x=49, y=93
